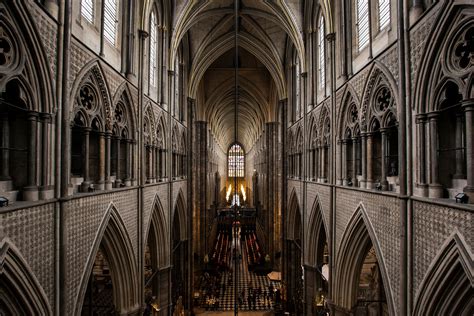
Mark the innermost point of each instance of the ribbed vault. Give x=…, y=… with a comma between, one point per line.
x=251, y=112
x=267, y=29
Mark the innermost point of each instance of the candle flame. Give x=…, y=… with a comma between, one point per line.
x=229, y=190
x=243, y=192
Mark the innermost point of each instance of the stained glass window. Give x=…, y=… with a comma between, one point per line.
x=236, y=159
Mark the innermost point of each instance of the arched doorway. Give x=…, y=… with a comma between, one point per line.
x=110, y=281
x=361, y=281
x=20, y=291
x=156, y=263
x=294, y=270
x=179, y=257
x=99, y=299
x=317, y=264
x=371, y=299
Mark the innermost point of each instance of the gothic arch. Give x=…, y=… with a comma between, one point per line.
x=124, y=95
x=160, y=232
x=454, y=19
x=447, y=287
x=92, y=74
x=316, y=225
x=112, y=235
x=27, y=60
x=348, y=100
x=379, y=76
x=294, y=211
x=179, y=210
x=20, y=290
x=355, y=242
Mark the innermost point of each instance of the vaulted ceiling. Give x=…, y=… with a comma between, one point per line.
x=268, y=30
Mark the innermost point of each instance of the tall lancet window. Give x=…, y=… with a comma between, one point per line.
x=110, y=21
x=384, y=13
x=322, y=54
x=87, y=10
x=153, y=44
x=236, y=161
x=362, y=19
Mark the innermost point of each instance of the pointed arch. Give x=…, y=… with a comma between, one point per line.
x=30, y=61
x=94, y=73
x=113, y=238
x=20, y=290
x=447, y=288
x=378, y=76
x=179, y=210
x=316, y=227
x=355, y=242
x=349, y=98
x=454, y=19
x=157, y=226
x=294, y=211
x=124, y=94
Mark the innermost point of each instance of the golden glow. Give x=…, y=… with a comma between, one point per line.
x=243, y=192
x=229, y=190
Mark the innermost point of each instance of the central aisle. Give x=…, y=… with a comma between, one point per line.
x=254, y=292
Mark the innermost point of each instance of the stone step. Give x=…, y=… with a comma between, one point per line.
x=6, y=185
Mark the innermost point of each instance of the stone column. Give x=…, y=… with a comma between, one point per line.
x=30, y=192
x=468, y=106
x=101, y=184
x=108, y=182
x=422, y=186
x=4, y=171
x=160, y=163
x=369, y=158
x=355, y=141
x=435, y=189
x=459, y=148
x=324, y=162
x=85, y=160
x=128, y=163
x=383, y=163
x=340, y=175
x=321, y=163
x=133, y=161
x=344, y=162
x=46, y=190
x=118, y=179
x=147, y=160
x=363, y=158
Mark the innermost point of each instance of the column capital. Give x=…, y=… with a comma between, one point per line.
x=32, y=116
x=86, y=130
x=421, y=118
x=468, y=105
x=433, y=116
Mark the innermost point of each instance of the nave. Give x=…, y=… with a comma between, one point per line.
x=236, y=274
